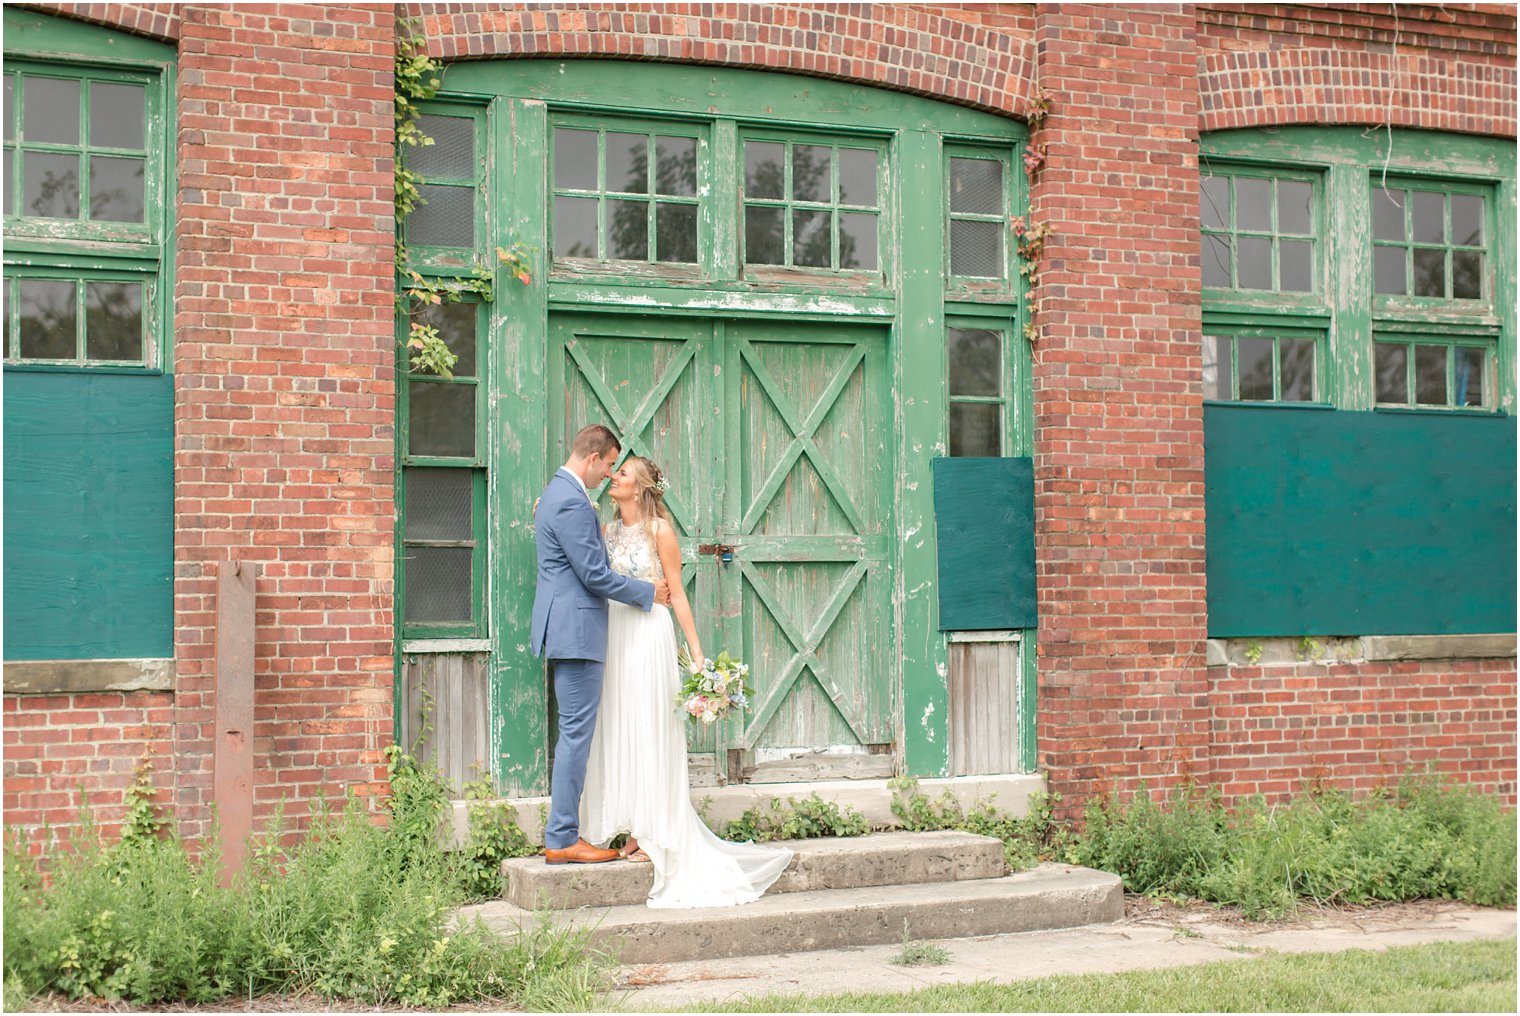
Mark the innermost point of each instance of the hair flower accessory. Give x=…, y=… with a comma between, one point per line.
x=662, y=485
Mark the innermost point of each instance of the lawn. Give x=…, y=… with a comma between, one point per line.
x=1441, y=977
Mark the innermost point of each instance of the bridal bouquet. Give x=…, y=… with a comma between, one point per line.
x=713, y=688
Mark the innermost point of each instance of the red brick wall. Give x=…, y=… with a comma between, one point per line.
x=284, y=385
x=56, y=744
x=1359, y=725
x=1118, y=456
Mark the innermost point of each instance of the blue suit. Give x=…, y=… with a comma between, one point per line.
x=575, y=582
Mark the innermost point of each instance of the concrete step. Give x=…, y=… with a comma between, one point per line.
x=1049, y=896
x=894, y=858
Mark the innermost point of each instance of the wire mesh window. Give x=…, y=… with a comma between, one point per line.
x=978, y=198
x=452, y=169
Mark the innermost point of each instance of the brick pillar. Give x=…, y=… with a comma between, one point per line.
x=1118, y=410
x=284, y=387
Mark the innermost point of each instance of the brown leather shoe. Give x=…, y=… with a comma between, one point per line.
x=579, y=852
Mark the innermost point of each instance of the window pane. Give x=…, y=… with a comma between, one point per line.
x=442, y=418
x=627, y=229
x=1216, y=261
x=439, y=504
x=10, y=107
x=676, y=166
x=976, y=429
x=857, y=177
x=116, y=189
x=1467, y=219
x=1467, y=274
x=676, y=233
x=451, y=156
x=976, y=249
x=1216, y=367
x=1387, y=215
x=1295, y=267
x=455, y=322
x=1388, y=270
x=49, y=319
x=1214, y=202
x=1430, y=273
x=1467, y=384
x=1430, y=375
x=1253, y=203
x=627, y=162
x=1255, y=368
x=1429, y=217
x=1392, y=372
x=575, y=227
x=763, y=237
x=1293, y=208
x=810, y=173
x=1255, y=265
x=975, y=357
x=10, y=182
x=1296, y=370
x=574, y=159
x=113, y=326
x=976, y=186
x=446, y=220
x=810, y=239
x=857, y=240
x=51, y=111
x=762, y=170
x=51, y=185
x=438, y=584
x=116, y=115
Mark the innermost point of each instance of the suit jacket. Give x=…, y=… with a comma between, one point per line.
x=574, y=579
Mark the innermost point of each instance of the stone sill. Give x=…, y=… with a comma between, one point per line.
x=1363, y=649
x=70, y=677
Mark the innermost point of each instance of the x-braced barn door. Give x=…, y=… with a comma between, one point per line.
x=776, y=439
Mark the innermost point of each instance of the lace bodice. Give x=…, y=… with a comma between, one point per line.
x=632, y=552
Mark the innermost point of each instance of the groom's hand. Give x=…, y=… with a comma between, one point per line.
x=662, y=592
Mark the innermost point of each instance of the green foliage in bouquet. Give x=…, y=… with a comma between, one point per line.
x=712, y=689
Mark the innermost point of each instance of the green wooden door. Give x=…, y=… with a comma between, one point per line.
x=808, y=513
x=775, y=439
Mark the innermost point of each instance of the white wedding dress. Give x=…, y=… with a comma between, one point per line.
x=636, y=778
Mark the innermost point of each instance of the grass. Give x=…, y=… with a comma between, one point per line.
x=919, y=954
x=1441, y=977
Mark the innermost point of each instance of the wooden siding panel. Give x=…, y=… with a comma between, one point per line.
x=446, y=719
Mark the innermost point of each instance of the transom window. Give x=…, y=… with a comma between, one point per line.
x=1436, y=373
x=811, y=204
x=76, y=146
x=95, y=319
x=1259, y=231
x=1429, y=240
x=978, y=216
x=625, y=193
x=1261, y=368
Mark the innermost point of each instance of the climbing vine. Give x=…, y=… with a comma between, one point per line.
x=417, y=80
x=1028, y=236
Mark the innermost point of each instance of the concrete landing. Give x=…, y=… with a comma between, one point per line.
x=1050, y=896
x=830, y=863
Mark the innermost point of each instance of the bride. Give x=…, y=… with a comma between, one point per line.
x=636, y=774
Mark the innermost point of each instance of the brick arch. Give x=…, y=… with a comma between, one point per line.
x=1333, y=85
x=977, y=59
x=156, y=21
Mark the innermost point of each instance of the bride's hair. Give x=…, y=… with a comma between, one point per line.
x=652, y=486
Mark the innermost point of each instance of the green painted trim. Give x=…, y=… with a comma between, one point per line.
x=42, y=36
x=727, y=299
x=1029, y=683
x=619, y=87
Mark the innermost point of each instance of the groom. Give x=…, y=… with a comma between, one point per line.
x=570, y=626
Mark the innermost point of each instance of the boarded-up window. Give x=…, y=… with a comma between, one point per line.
x=984, y=703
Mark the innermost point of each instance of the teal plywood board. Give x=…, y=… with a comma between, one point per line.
x=984, y=522
x=89, y=523
x=1358, y=523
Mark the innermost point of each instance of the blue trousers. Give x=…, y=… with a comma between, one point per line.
x=578, y=688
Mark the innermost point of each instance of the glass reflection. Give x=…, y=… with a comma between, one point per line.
x=1468, y=379
x=1467, y=274
x=976, y=429
x=1467, y=219
x=116, y=189
x=811, y=166
x=676, y=233
x=50, y=185
x=763, y=236
x=574, y=227
x=113, y=326
x=811, y=242
x=1296, y=370
x=857, y=240
x=676, y=166
x=1255, y=369
x=857, y=177
x=1392, y=369
x=763, y=172
x=627, y=162
x=1430, y=273
x=627, y=230
x=975, y=357
x=441, y=418
x=1430, y=375
x=49, y=319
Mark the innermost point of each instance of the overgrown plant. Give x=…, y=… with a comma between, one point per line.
x=919, y=954
x=1026, y=840
x=794, y=819
x=1029, y=236
x=493, y=836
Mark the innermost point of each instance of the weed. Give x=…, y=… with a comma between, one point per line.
x=796, y=820
x=1026, y=840
x=919, y=954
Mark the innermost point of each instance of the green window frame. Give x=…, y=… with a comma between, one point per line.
x=829, y=189
x=981, y=189
x=87, y=219
x=979, y=386
x=441, y=568
x=1244, y=364
x=653, y=220
x=1435, y=372
x=1431, y=230
x=1262, y=229
x=442, y=233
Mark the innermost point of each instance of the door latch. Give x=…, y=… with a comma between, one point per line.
x=722, y=551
